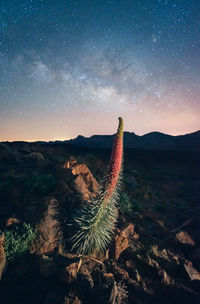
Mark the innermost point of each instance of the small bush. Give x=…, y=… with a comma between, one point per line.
x=128, y=206
x=17, y=240
x=137, y=206
x=41, y=184
x=125, y=204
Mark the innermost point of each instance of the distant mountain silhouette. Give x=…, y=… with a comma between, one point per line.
x=153, y=140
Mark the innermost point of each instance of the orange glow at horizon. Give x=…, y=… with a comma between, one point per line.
x=63, y=127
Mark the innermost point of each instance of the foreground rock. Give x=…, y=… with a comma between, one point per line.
x=184, y=238
x=50, y=236
x=11, y=221
x=121, y=240
x=192, y=272
x=84, y=181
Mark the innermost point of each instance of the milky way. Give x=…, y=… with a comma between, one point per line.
x=73, y=67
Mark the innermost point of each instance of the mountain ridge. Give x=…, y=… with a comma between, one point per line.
x=152, y=140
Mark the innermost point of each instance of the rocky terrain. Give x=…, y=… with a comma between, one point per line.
x=155, y=254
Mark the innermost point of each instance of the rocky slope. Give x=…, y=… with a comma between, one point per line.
x=155, y=255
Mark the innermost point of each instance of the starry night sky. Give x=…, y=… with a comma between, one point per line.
x=72, y=67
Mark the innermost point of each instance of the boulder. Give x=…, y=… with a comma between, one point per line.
x=12, y=220
x=84, y=181
x=191, y=271
x=184, y=238
x=50, y=236
x=121, y=240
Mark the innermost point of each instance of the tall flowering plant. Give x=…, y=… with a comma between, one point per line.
x=95, y=221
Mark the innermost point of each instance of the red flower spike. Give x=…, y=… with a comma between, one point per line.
x=115, y=162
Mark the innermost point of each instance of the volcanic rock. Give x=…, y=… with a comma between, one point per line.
x=49, y=230
x=184, y=238
x=84, y=181
x=192, y=272
x=121, y=240
x=12, y=220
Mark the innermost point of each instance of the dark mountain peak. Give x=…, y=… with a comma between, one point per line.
x=80, y=137
x=151, y=141
x=156, y=134
x=126, y=133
